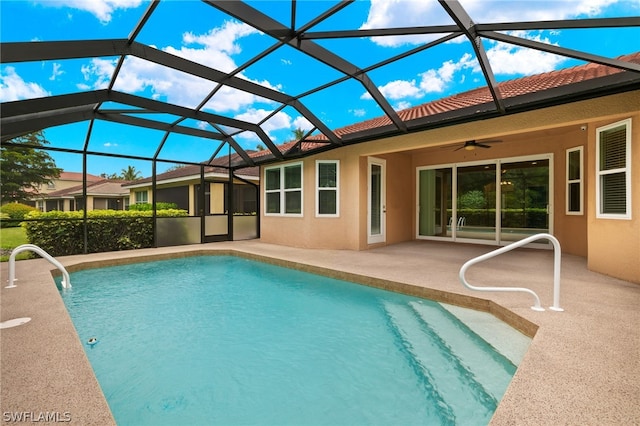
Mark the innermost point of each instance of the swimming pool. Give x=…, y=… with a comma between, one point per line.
x=226, y=340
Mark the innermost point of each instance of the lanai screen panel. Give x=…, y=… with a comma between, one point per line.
x=257, y=72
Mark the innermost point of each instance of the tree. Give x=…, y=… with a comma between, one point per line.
x=298, y=133
x=23, y=169
x=130, y=173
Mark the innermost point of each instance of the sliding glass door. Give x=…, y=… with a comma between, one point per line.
x=435, y=202
x=495, y=201
x=524, y=187
x=476, y=202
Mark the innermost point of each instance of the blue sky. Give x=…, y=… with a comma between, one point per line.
x=196, y=31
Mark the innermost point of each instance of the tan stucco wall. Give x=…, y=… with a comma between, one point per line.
x=399, y=199
x=571, y=230
x=614, y=245
x=326, y=232
x=546, y=131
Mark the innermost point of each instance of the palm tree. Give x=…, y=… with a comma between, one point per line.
x=298, y=133
x=130, y=173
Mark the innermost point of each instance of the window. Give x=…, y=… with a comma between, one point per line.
x=613, y=171
x=51, y=185
x=327, y=182
x=283, y=190
x=574, y=181
x=141, y=197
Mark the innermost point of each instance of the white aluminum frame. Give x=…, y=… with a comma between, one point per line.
x=626, y=169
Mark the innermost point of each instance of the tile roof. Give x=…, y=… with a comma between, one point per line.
x=508, y=89
x=101, y=187
x=218, y=165
x=76, y=176
x=481, y=96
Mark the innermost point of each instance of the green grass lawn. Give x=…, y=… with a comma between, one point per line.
x=11, y=238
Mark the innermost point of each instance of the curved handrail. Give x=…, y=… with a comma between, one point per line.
x=66, y=281
x=556, y=270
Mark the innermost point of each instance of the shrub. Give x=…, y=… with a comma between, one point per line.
x=143, y=207
x=62, y=233
x=13, y=214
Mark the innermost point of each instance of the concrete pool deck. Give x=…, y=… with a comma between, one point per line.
x=583, y=365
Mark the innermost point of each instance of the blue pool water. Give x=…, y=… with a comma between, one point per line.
x=230, y=341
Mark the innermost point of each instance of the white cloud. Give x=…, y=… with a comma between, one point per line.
x=109, y=144
x=101, y=9
x=13, y=87
x=430, y=81
x=410, y=13
x=214, y=48
x=100, y=70
x=279, y=121
x=507, y=59
x=402, y=13
x=437, y=81
x=399, y=89
x=57, y=71
x=360, y=112
x=402, y=105
x=302, y=123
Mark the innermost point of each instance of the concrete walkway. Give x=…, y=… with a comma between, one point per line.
x=583, y=366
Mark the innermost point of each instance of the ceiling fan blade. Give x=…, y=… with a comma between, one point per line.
x=459, y=148
x=482, y=145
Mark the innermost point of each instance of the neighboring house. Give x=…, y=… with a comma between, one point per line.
x=182, y=187
x=207, y=194
x=66, y=180
x=104, y=194
x=572, y=170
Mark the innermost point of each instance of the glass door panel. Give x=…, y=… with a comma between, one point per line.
x=435, y=202
x=525, y=199
x=476, y=202
x=376, y=201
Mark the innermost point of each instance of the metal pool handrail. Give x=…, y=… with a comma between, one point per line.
x=66, y=281
x=556, y=270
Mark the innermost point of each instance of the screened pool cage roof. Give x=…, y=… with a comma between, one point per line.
x=286, y=36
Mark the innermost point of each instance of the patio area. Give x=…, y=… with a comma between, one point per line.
x=582, y=367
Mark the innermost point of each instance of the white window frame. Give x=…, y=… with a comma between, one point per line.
x=336, y=189
x=282, y=191
x=579, y=181
x=626, y=170
x=146, y=197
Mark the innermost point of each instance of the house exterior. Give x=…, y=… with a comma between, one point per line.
x=103, y=194
x=572, y=170
x=182, y=185
x=219, y=208
x=44, y=201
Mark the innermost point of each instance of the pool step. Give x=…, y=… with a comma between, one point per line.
x=436, y=363
x=505, y=339
x=489, y=367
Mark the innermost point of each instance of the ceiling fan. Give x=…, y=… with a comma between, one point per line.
x=473, y=144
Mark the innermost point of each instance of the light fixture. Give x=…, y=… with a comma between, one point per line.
x=469, y=147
